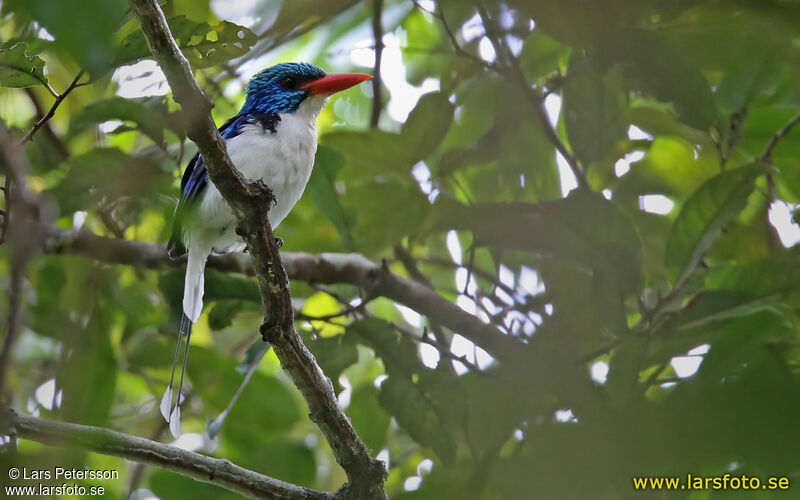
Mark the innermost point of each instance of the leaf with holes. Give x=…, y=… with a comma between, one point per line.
x=203, y=45
x=18, y=69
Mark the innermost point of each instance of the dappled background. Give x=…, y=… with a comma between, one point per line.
x=610, y=185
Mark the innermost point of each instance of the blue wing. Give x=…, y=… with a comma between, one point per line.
x=195, y=177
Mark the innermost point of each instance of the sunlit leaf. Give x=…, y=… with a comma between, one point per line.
x=203, y=45
x=541, y=55
x=703, y=218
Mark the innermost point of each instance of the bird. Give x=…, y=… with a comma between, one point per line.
x=273, y=138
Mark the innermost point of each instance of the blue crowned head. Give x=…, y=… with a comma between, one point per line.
x=280, y=88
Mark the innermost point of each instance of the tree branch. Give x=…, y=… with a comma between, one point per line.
x=250, y=202
x=766, y=155
x=47, y=129
x=215, y=471
x=44, y=119
x=326, y=268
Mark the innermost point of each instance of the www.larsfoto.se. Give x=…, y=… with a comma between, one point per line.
x=725, y=482
x=65, y=489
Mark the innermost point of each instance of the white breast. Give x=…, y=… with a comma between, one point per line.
x=282, y=160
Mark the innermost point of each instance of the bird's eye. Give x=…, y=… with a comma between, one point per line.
x=288, y=82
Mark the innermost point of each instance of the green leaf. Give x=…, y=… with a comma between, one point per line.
x=88, y=375
x=652, y=63
x=334, y=355
x=542, y=56
x=109, y=173
x=376, y=151
x=168, y=484
x=591, y=114
x=151, y=118
x=427, y=125
x=277, y=455
x=203, y=45
x=755, y=72
x=398, y=353
x=82, y=29
x=18, y=69
x=703, y=217
x=223, y=312
x=415, y=413
x=583, y=229
x=266, y=403
x=385, y=213
x=372, y=151
x=327, y=165
x=741, y=288
x=368, y=418
x=219, y=286
x=297, y=17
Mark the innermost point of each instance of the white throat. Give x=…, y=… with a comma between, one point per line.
x=310, y=108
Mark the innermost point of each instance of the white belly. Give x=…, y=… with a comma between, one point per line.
x=282, y=160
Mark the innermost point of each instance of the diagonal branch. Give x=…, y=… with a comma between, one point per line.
x=44, y=119
x=250, y=203
x=215, y=471
x=766, y=155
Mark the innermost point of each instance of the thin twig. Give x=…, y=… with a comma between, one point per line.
x=48, y=130
x=443, y=349
x=377, y=88
x=457, y=46
x=410, y=264
x=59, y=98
x=480, y=273
x=766, y=155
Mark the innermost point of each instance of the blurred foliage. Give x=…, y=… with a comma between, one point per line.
x=653, y=340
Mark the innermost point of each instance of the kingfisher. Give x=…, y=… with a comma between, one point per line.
x=273, y=138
